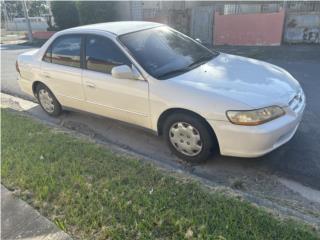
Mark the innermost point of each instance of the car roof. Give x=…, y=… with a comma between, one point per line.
x=117, y=28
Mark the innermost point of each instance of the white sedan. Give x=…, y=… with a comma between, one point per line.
x=150, y=75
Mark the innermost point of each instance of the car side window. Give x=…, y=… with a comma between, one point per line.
x=103, y=54
x=66, y=51
x=47, y=55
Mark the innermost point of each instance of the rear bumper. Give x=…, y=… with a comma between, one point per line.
x=255, y=141
x=25, y=86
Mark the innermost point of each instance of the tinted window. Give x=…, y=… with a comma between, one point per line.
x=66, y=51
x=102, y=54
x=163, y=52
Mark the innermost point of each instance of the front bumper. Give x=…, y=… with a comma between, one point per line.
x=255, y=141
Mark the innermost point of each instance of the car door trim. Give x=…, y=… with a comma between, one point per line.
x=65, y=96
x=119, y=109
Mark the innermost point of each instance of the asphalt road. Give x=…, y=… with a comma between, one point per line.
x=298, y=160
x=9, y=55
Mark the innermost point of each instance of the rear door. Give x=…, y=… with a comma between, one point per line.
x=61, y=70
x=123, y=99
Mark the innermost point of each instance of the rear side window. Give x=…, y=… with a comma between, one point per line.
x=103, y=54
x=65, y=51
x=47, y=55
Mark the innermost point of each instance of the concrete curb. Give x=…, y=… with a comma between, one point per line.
x=20, y=221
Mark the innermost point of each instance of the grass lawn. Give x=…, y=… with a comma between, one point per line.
x=92, y=193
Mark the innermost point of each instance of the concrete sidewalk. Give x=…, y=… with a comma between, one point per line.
x=21, y=221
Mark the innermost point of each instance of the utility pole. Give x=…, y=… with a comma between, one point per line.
x=27, y=20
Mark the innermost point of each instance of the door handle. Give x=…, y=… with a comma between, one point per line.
x=90, y=85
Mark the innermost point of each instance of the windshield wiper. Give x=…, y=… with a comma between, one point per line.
x=173, y=72
x=200, y=61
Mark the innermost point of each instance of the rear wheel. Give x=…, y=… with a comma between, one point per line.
x=189, y=137
x=48, y=101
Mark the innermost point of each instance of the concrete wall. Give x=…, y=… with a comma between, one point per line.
x=123, y=9
x=161, y=19
x=302, y=28
x=42, y=35
x=136, y=10
x=20, y=24
x=248, y=29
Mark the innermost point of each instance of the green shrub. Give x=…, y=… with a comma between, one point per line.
x=96, y=11
x=65, y=14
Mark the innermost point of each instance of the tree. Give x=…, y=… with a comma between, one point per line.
x=14, y=9
x=65, y=14
x=37, y=8
x=96, y=11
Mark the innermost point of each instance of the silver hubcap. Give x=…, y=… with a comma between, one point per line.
x=185, y=138
x=46, y=100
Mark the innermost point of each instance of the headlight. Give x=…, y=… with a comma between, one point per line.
x=255, y=117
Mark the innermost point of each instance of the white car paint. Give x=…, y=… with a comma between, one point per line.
x=227, y=82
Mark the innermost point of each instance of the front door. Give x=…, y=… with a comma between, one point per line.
x=122, y=99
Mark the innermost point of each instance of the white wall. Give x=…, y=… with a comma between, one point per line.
x=20, y=24
x=302, y=28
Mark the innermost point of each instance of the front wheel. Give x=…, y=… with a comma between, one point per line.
x=47, y=100
x=189, y=137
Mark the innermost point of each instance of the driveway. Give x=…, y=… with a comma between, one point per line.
x=298, y=160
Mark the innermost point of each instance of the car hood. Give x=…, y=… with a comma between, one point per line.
x=251, y=82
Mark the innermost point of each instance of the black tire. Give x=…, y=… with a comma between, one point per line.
x=208, y=139
x=57, y=109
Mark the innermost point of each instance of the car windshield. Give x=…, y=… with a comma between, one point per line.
x=165, y=53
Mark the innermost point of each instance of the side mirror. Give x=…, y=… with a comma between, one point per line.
x=198, y=40
x=124, y=72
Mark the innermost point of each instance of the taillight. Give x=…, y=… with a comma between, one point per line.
x=17, y=67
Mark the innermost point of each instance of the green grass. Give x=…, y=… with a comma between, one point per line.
x=91, y=193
